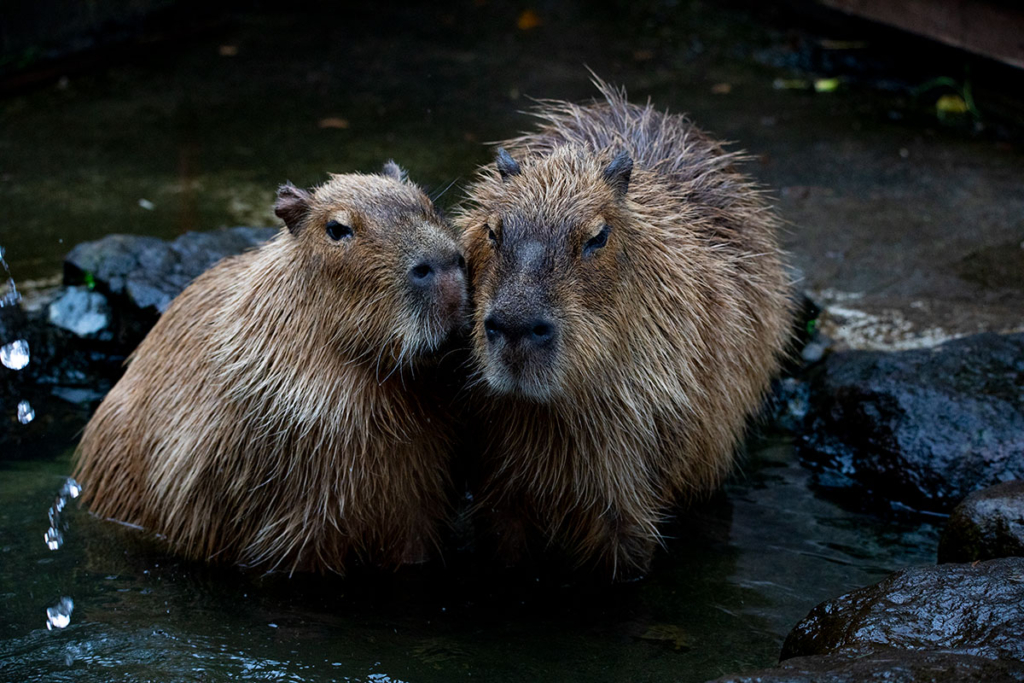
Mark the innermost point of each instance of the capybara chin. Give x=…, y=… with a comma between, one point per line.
x=630, y=308
x=283, y=412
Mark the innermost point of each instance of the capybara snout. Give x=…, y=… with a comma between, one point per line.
x=548, y=254
x=437, y=287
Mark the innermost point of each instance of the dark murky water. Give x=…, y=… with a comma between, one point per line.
x=738, y=574
x=188, y=138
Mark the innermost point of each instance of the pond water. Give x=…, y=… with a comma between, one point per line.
x=198, y=135
x=738, y=573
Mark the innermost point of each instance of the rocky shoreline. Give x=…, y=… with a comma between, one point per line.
x=936, y=431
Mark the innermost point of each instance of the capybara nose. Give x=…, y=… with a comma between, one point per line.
x=542, y=332
x=423, y=274
x=439, y=283
x=494, y=328
x=536, y=331
x=427, y=271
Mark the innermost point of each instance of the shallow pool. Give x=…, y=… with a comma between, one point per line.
x=740, y=570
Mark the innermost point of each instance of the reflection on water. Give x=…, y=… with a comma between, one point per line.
x=738, y=572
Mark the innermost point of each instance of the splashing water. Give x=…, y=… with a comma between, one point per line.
x=15, y=355
x=59, y=616
x=25, y=413
x=10, y=297
x=54, y=537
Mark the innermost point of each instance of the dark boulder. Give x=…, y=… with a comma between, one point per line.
x=140, y=276
x=58, y=362
x=988, y=524
x=975, y=609
x=118, y=287
x=892, y=666
x=923, y=428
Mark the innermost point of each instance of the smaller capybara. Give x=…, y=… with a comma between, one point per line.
x=283, y=413
x=630, y=308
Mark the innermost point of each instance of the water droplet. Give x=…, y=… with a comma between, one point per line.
x=59, y=616
x=54, y=538
x=25, y=413
x=72, y=489
x=15, y=355
x=10, y=297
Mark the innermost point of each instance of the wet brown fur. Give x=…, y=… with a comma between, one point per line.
x=272, y=417
x=669, y=335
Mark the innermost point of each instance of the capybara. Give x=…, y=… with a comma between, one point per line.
x=630, y=307
x=283, y=413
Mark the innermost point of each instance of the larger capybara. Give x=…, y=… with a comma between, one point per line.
x=283, y=412
x=631, y=306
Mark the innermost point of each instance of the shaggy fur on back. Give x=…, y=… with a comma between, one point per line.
x=667, y=336
x=272, y=418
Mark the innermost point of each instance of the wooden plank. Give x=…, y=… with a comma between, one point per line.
x=986, y=27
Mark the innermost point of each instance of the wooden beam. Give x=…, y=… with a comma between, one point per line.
x=986, y=27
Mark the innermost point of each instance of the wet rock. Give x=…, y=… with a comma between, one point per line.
x=61, y=370
x=789, y=404
x=975, y=609
x=80, y=311
x=925, y=427
x=893, y=666
x=787, y=407
x=60, y=362
x=988, y=524
x=140, y=276
x=815, y=350
x=118, y=286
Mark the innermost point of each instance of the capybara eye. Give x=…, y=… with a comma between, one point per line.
x=492, y=237
x=338, y=230
x=462, y=262
x=597, y=241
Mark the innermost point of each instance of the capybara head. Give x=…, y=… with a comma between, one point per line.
x=551, y=246
x=383, y=253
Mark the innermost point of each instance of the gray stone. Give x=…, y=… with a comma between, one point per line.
x=79, y=395
x=987, y=524
x=141, y=276
x=149, y=272
x=925, y=427
x=80, y=311
x=975, y=609
x=789, y=404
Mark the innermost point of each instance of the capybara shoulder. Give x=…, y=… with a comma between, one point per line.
x=271, y=417
x=630, y=308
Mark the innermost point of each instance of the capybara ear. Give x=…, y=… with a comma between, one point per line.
x=291, y=206
x=507, y=166
x=395, y=172
x=618, y=172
